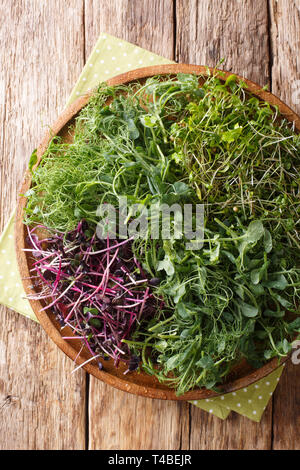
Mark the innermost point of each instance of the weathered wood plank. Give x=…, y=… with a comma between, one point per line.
x=285, y=44
x=41, y=405
x=235, y=30
x=147, y=24
x=238, y=31
x=119, y=420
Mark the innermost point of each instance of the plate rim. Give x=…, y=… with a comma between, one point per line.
x=62, y=121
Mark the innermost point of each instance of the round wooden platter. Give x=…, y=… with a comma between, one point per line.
x=138, y=383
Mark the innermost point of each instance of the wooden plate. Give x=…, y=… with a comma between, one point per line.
x=138, y=383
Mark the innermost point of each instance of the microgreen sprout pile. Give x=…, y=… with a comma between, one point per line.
x=95, y=287
x=171, y=141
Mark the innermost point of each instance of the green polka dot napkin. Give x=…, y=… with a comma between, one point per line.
x=110, y=57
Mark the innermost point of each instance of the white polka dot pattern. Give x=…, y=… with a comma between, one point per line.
x=250, y=401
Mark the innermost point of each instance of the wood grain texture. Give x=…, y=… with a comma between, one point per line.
x=207, y=31
x=123, y=416
x=119, y=420
x=147, y=24
x=285, y=45
x=236, y=30
x=44, y=43
x=41, y=405
x=234, y=433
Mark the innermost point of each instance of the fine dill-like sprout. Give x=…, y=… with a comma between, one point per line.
x=171, y=141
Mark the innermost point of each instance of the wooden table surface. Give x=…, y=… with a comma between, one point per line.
x=44, y=45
